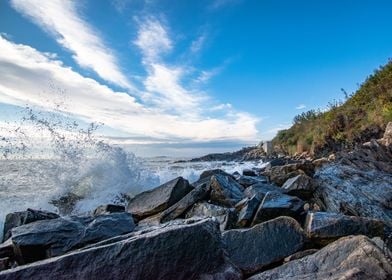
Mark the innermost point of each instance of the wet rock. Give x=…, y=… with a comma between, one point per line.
x=260, y=190
x=156, y=200
x=300, y=255
x=323, y=228
x=7, y=249
x=249, y=172
x=247, y=181
x=66, y=203
x=108, y=209
x=264, y=244
x=356, y=192
x=280, y=174
x=248, y=211
x=178, y=209
x=4, y=263
x=50, y=238
x=277, y=204
x=353, y=257
x=191, y=251
x=225, y=190
x=209, y=173
x=301, y=186
x=16, y=219
x=226, y=217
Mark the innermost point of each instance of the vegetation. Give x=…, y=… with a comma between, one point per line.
x=361, y=116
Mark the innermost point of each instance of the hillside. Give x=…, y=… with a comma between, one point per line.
x=362, y=116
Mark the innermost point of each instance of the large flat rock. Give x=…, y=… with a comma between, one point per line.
x=323, y=228
x=187, y=251
x=353, y=257
x=225, y=190
x=264, y=244
x=156, y=200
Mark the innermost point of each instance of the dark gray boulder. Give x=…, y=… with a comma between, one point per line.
x=301, y=186
x=208, y=173
x=50, y=238
x=4, y=263
x=276, y=204
x=264, y=244
x=323, y=228
x=179, y=209
x=249, y=172
x=300, y=255
x=16, y=219
x=355, y=191
x=6, y=249
x=248, y=211
x=247, y=181
x=108, y=209
x=227, y=217
x=261, y=189
x=189, y=251
x=156, y=200
x=225, y=190
x=280, y=174
x=353, y=257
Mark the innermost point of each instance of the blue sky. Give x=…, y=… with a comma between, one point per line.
x=187, y=77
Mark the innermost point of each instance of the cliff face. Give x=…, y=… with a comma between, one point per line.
x=361, y=117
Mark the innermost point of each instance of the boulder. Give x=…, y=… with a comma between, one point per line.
x=353, y=257
x=225, y=190
x=301, y=186
x=280, y=174
x=4, y=263
x=16, y=219
x=190, y=251
x=300, y=255
x=208, y=173
x=50, y=238
x=156, y=200
x=179, y=209
x=260, y=190
x=323, y=228
x=227, y=217
x=249, y=172
x=264, y=244
x=247, y=181
x=7, y=249
x=108, y=209
x=353, y=191
x=277, y=204
x=248, y=211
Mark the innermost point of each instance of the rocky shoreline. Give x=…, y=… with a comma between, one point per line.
x=329, y=218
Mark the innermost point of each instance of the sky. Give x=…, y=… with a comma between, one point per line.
x=185, y=78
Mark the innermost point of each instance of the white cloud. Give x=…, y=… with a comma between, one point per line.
x=197, y=44
x=153, y=39
x=62, y=20
x=300, y=107
x=25, y=74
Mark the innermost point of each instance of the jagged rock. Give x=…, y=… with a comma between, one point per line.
x=260, y=190
x=249, y=172
x=209, y=173
x=277, y=204
x=226, y=217
x=353, y=191
x=248, y=211
x=4, y=263
x=190, y=251
x=50, y=238
x=353, y=257
x=225, y=190
x=301, y=186
x=108, y=208
x=178, y=209
x=280, y=174
x=156, y=200
x=300, y=255
x=247, y=181
x=16, y=219
x=66, y=203
x=264, y=244
x=323, y=228
x=7, y=249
